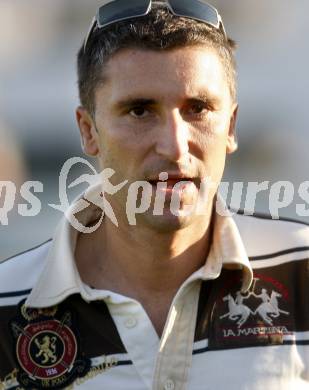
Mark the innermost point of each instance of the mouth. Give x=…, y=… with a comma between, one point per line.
x=173, y=180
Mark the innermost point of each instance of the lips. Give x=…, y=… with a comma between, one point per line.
x=171, y=182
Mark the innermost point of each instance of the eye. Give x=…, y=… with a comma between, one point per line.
x=197, y=108
x=139, y=112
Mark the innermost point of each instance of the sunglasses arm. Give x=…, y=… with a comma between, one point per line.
x=221, y=25
x=90, y=31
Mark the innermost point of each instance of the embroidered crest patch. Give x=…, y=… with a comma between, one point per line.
x=47, y=349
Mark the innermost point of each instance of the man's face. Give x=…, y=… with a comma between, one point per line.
x=168, y=111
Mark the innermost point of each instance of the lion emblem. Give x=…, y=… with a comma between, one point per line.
x=47, y=349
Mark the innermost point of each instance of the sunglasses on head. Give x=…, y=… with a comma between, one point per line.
x=119, y=10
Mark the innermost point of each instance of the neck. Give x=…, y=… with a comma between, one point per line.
x=139, y=262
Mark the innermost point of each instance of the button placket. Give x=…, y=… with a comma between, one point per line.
x=169, y=385
x=132, y=321
x=175, y=355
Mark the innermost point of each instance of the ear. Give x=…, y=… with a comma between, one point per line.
x=88, y=132
x=232, y=143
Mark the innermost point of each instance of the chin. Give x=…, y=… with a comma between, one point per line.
x=166, y=223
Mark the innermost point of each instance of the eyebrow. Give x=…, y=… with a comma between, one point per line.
x=209, y=98
x=204, y=96
x=200, y=96
x=131, y=102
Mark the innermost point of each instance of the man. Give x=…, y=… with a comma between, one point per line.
x=156, y=303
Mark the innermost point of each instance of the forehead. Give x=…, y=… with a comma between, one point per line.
x=181, y=71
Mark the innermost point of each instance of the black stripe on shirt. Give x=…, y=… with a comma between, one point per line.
x=201, y=350
x=15, y=293
x=124, y=363
x=285, y=342
x=280, y=253
x=26, y=251
x=269, y=217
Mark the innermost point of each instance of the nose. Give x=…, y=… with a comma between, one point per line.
x=173, y=137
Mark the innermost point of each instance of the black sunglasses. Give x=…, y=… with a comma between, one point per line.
x=118, y=10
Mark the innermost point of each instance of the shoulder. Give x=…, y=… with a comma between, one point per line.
x=265, y=237
x=19, y=273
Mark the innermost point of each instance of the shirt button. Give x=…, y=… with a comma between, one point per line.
x=169, y=385
x=130, y=322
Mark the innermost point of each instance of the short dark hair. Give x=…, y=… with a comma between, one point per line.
x=159, y=30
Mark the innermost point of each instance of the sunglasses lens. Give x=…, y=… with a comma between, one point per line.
x=196, y=10
x=120, y=10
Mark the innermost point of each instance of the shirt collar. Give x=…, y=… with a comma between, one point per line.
x=60, y=277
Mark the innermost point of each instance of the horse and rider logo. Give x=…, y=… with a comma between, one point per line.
x=268, y=309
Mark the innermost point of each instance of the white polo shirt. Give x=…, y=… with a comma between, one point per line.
x=231, y=325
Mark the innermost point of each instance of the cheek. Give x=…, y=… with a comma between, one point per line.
x=219, y=121
x=122, y=151
x=211, y=151
x=216, y=133
x=126, y=136
x=210, y=141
